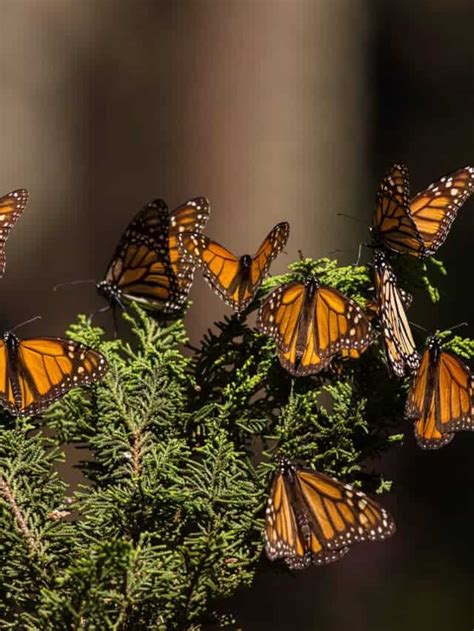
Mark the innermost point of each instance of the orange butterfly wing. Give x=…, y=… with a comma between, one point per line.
x=147, y=267
x=435, y=209
x=392, y=222
x=235, y=280
x=400, y=347
x=36, y=372
x=310, y=324
x=313, y=519
x=12, y=206
x=440, y=399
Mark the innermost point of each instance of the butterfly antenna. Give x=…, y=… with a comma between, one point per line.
x=419, y=327
x=36, y=317
x=359, y=253
x=457, y=326
x=75, y=282
x=358, y=219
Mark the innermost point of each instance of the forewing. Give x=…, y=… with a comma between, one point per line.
x=7, y=397
x=399, y=344
x=340, y=324
x=267, y=252
x=49, y=367
x=434, y=209
x=454, y=395
x=392, y=221
x=12, y=206
x=280, y=314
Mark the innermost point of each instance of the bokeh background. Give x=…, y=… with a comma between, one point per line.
x=273, y=110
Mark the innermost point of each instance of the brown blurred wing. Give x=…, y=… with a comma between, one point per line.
x=12, y=206
x=435, y=209
x=392, y=221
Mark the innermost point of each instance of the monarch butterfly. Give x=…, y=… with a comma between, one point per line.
x=147, y=267
x=418, y=226
x=235, y=280
x=314, y=519
x=12, y=206
x=391, y=300
x=440, y=398
x=36, y=372
x=311, y=323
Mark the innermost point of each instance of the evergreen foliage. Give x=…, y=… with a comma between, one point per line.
x=179, y=450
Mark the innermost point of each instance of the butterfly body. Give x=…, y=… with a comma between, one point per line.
x=440, y=398
x=234, y=279
x=400, y=348
x=36, y=372
x=313, y=519
x=147, y=267
x=311, y=323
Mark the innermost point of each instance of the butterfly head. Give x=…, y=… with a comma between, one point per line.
x=433, y=345
x=11, y=340
x=245, y=262
x=111, y=293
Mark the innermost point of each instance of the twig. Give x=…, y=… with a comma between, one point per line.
x=18, y=515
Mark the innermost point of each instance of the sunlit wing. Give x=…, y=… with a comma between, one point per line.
x=272, y=245
x=392, y=222
x=340, y=324
x=43, y=371
x=280, y=313
x=12, y=206
x=192, y=216
x=454, y=399
x=147, y=267
x=398, y=339
x=314, y=519
x=434, y=209
x=440, y=398
x=235, y=280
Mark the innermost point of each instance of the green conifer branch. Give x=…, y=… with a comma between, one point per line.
x=179, y=452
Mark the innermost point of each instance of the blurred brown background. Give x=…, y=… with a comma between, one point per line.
x=274, y=110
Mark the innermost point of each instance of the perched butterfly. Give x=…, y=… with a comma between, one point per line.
x=147, y=267
x=311, y=323
x=420, y=225
x=235, y=280
x=12, y=206
x=314, y=519
x=36, y=372
x=391, y=300
x=440, y=398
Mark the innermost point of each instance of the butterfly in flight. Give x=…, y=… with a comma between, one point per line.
x=36, y=372
x=441, y=397
x=12, y=206
x=391, y=301
x=312, y=519
x=147, y=267
x=418, y=226
x=311, y=323
x=235, y=279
